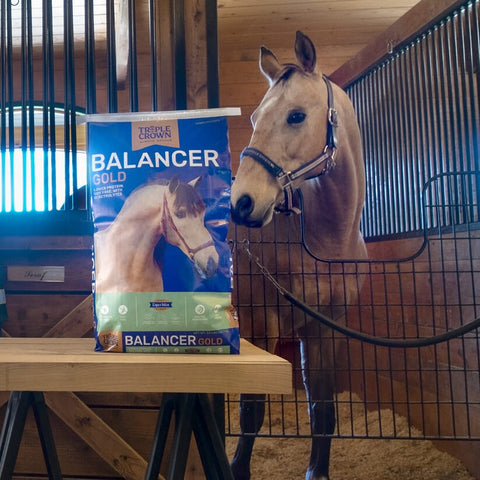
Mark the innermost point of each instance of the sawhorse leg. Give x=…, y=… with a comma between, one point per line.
x=193, y=414
x=12, y=432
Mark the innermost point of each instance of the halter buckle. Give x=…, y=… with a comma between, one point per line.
x=332, y=155
x=285, y=180
x=330, y=162
x=332, y=117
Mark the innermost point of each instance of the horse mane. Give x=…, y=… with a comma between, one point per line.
x=287, y=71
x=188, y=197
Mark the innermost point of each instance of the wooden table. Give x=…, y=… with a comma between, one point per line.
x=31, y=366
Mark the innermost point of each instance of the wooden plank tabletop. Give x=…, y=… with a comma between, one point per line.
x=72, y=365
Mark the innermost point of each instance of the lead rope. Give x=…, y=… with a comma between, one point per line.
x=350, y=332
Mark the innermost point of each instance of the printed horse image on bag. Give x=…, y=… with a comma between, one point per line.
x=305, y=154
x=125, y=257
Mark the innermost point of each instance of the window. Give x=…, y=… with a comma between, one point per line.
x=37, y=179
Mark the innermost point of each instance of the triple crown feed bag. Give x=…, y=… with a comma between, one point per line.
x=160, y=192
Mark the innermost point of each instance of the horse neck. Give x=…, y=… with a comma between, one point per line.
x=332, y=210
x=131, y=230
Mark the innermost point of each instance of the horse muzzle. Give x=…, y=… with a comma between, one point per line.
x=205, y=262
x=243, y=209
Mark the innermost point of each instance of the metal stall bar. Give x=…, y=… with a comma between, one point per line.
x=212, y=53
x=70, y=145
x=90, y=67
x=469, y=105
x=8, y=105
x=153, y=53
x=31, y=107
x=475, y=89
x=3, y=102
x=409, y=124
x=449, y=59
x=132, y=55
x=376, y=207
x=49, y=132
x=27, y=110
x=111, y=59
x=178, y=33
x=416, y=134
x=399, y=125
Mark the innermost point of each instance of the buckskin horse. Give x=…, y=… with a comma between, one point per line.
x=305, y=152
x=125, y=252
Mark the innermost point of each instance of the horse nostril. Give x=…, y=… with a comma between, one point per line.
x=243, y=208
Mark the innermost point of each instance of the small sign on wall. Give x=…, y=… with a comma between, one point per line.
x=29, y=273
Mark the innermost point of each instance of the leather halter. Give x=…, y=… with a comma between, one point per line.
x=167, y=222
x=285, y=179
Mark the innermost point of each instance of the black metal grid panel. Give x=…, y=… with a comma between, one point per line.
x=428, y=392
x=419, y=116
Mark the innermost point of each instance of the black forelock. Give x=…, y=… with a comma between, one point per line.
x=287, y=71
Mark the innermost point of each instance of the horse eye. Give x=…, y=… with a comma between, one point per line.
x=296, y=117
x=180, y=213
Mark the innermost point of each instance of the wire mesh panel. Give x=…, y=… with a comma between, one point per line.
x=435, y=388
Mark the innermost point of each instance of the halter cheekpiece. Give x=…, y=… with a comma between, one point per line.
x=285, y=179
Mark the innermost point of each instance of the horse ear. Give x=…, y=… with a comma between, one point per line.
x=269, y=65
x=173, y=184
x=195, y=182
x=305, y=52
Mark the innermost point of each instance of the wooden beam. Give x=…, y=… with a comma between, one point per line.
x=165, y=58
x=417, y=19
x=46, y=242
x=196, y=58
x=76, y=323
x=122, y=35
x=72, y=364
x=98, y=435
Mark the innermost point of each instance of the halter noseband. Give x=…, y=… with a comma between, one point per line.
x=285, y=179
x=167, y=221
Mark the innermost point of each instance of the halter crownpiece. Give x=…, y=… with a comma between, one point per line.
x=285, y=179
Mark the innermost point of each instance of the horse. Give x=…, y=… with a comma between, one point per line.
x=125, y=251
x=305, y=154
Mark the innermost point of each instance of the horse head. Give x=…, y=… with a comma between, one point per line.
x=294, y=138
x=183, y=225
